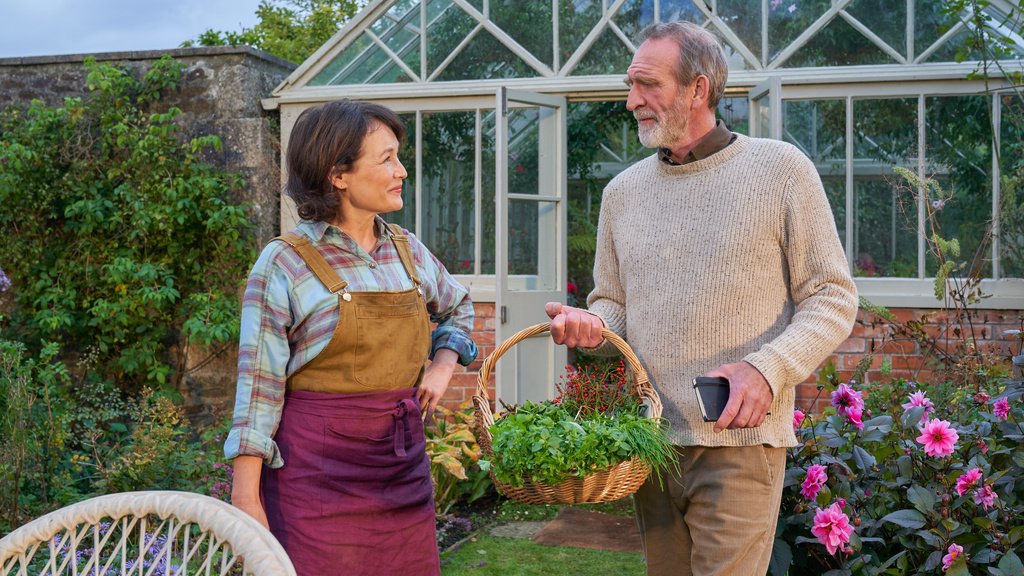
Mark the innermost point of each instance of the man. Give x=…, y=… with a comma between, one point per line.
x=717, y=256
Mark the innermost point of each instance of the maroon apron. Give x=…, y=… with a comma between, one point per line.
x=354, y=496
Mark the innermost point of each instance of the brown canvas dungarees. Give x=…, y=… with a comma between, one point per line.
x=354, y=495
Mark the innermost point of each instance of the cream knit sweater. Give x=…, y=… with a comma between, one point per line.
x=733, y=257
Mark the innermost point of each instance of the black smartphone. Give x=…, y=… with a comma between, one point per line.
x=712, y=396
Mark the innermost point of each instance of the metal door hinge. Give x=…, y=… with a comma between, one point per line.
x=504, y=315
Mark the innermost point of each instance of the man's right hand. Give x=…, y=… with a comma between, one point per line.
x=574, y=326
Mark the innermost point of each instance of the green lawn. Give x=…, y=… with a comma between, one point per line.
x=521, y=557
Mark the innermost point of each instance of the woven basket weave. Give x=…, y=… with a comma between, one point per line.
x=613, y=483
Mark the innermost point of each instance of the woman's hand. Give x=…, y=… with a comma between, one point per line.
x=245, y=488
x=436, y=379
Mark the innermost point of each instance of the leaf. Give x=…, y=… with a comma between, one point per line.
x=922, y=498
x=959, y=568
x=905, y=518
x=1011, y=564
x=863, y=458
x=931, y=538
x=782, y=558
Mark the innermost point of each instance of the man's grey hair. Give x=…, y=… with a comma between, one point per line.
x=699, y=53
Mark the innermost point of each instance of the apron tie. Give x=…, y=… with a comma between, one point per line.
x=400, y=413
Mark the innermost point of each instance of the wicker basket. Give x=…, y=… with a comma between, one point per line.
x=613, y=483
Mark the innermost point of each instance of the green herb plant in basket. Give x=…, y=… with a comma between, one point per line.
x=597, y=441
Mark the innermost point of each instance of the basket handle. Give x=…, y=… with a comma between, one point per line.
x=643, y=383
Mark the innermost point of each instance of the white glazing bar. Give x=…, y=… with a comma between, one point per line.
x=922, y=148
x=851, y=241
x=423, y=38
x=622, y=36
x=556, y=58
x=478, y=191
x=873, y=37
x=911, y=18
x=418, y=216
x=764, y=34
x=997, y=138
x=657, y=11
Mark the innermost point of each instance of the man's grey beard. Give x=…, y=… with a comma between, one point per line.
x=663, y=134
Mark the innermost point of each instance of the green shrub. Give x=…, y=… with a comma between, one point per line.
x=120, y=241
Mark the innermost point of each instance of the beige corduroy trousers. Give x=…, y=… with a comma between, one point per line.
x=718, y=518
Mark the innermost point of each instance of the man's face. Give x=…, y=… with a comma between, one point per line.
x=655, y=97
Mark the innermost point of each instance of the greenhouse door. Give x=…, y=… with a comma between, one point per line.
x=530, y=213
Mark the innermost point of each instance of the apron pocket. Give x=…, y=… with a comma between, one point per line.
x=388, y=367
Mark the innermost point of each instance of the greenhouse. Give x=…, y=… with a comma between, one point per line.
x=516, y=121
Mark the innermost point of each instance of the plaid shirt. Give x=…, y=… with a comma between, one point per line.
x=288, y=317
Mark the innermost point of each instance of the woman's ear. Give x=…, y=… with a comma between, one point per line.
x=338, y=181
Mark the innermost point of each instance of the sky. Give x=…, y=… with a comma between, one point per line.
x=47, y=27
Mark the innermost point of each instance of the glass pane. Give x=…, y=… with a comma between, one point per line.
x=1011, y=163
x=839, y=44
x=885, y=213
x=447, y=26
x=487, y=192
x=735, y=112
x=887, y=19
x=576, y=19
x=603, y=142
x=485, y=58
x=528, y=23
x=532, y=254
x=762, y=116
x=406, y=217
x=672, y=10
x=818, y=128
x=633, y=16
x=960, y=157
x=958, y=48
x=744, y=19
x=787, y=19
x=399, y=30
x=930, y=23
x=344, y=69
x=523, y=150
x=448, y=195
x=607, y=55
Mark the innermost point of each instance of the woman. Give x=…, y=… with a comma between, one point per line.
x=327, y=439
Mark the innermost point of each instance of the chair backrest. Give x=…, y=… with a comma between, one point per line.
x=152, y=533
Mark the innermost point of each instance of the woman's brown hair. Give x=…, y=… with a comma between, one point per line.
x=327, y=140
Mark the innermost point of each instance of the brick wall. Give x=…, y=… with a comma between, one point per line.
x=904, y=353
x=868, y=335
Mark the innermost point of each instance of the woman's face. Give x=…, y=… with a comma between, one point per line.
x=374, y=184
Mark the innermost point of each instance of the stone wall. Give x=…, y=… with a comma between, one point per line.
x=220, y=94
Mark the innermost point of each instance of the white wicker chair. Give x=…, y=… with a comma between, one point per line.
x=153, y=533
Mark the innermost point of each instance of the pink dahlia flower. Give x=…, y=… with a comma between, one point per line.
x=985, y=496
x=967, y=480
x=832, y=528
x=813, y=482
x=955, y=551
x=938, y=438
x=846, y=398
x=1001, y=408
x=798, y=418
x=919, y=399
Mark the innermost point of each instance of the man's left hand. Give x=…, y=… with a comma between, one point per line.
x=750, y=397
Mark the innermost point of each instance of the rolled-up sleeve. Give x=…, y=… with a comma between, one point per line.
x=263, y=355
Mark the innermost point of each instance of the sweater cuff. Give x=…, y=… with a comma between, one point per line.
x=772, y=367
